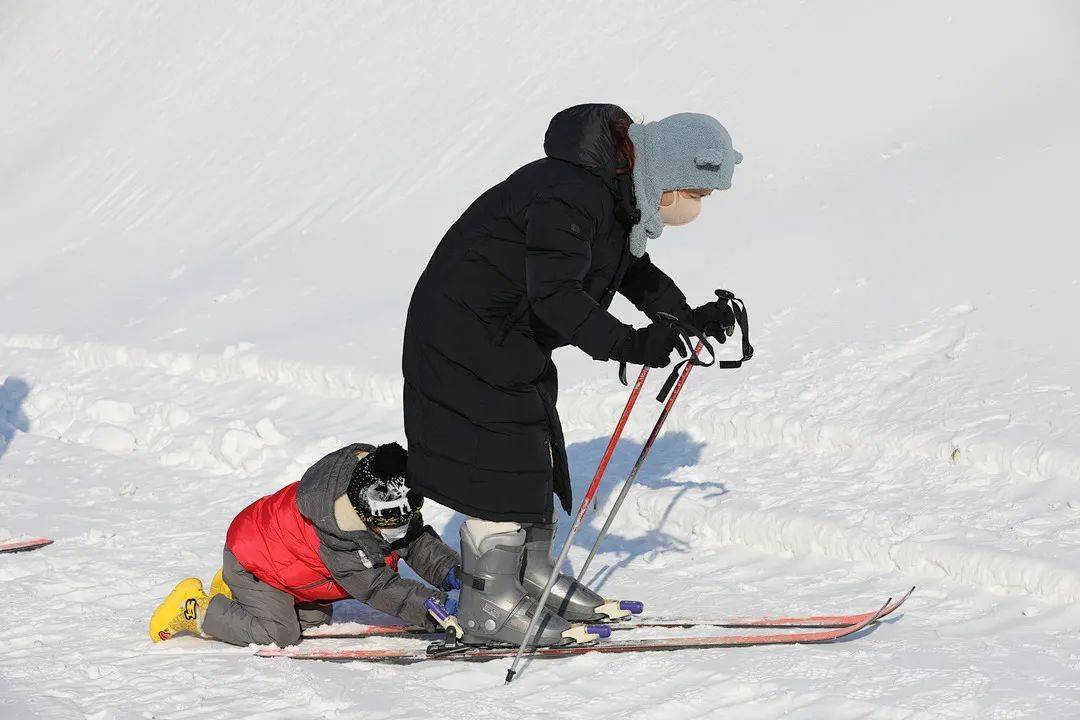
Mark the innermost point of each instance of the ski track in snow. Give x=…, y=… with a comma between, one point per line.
x=738, y=512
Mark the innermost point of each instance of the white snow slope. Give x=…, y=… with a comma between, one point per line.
x=212, y=216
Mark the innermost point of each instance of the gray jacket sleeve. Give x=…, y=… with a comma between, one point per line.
x=380, y=587
x=429, y=556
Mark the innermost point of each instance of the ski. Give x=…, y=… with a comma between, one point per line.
x=811, y=621
x=24, y=545
x=482, y=654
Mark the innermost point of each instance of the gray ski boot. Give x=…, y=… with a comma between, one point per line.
x=494, y=608
x=568, y=598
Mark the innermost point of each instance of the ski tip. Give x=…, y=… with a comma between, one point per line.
x=865, y=623
x=885, y=610
x=900, y=600
x=891, y=607
x=24, y=545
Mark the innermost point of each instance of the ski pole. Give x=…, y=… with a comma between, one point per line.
x=671, y=391
x=640, y=461
x=582, y=510
x=685, y=331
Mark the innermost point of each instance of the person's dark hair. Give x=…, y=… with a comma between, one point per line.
x=620, y=132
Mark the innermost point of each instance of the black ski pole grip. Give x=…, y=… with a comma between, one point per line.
x=687, y=333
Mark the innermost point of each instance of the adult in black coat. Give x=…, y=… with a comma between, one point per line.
x=531, y=265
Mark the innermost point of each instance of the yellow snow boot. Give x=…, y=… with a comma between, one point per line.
x=218, y=586
x=182, y=611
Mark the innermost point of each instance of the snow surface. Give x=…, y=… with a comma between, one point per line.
x=212, y=216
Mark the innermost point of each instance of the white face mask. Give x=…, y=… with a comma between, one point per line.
x=392, y=535
x=682, y=209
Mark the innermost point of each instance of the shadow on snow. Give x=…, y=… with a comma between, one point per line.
x=12, y=393
x=670, y=453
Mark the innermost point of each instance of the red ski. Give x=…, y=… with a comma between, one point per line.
x=811, y=621
x=483, y=654
x=24, y=545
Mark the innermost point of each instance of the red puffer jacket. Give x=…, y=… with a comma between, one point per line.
x=278, y=545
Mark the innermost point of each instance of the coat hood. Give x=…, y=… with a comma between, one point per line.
x=582, y=135
x=323, y=483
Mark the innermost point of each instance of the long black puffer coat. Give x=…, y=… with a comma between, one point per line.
x=531, y=265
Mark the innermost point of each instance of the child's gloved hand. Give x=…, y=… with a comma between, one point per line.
x=443, y=613
x=451, y=581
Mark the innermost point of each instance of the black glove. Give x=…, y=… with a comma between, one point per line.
x=715, y=319
x=650, y=346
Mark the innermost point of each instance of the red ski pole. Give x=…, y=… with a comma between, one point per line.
x=641, y=459
x=668, y=393
x=602, y=467
x=671, y=391
x=584, y=508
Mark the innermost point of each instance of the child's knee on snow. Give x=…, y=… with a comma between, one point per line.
x=284, y=635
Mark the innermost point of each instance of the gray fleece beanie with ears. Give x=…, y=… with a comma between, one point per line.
x=684, y=151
